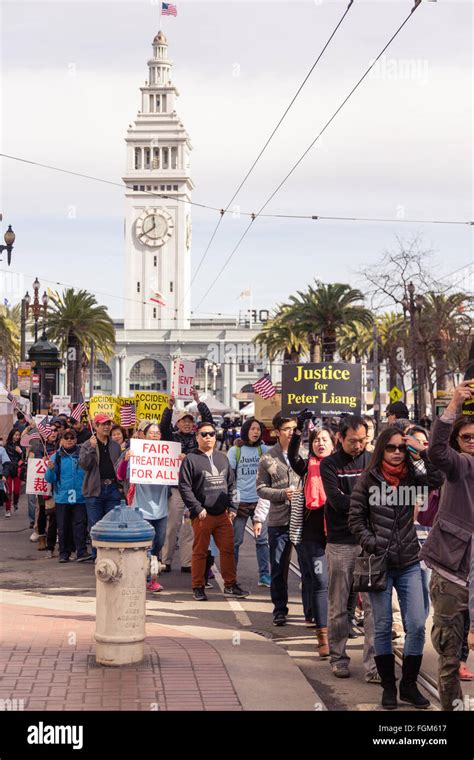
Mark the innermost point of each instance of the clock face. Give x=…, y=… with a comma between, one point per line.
x=154, y=227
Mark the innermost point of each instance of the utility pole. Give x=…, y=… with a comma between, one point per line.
x=23, y=331
x=91, y=371
x=376, y=379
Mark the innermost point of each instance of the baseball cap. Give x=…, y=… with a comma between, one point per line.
x=182, y=415
x=101, y=418
x=399, y=409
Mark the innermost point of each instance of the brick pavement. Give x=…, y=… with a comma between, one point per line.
x=47, y=660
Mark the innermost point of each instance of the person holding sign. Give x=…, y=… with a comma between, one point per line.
x=206, y=485
x=184, y=434
x=67, y=477
x=98, y=457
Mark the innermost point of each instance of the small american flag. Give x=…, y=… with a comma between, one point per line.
x=44, y=428
x=157, y=298
x=80, y=409
x=128, y=416
x=13, y=400
x=264, y=387
x=168, y=9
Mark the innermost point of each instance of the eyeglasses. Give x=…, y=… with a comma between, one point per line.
x=105, y=423
x=466, y=437
x=208, y=434
x=391, y=448
x=286, y=429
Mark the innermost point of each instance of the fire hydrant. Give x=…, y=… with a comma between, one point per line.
x=122, y=538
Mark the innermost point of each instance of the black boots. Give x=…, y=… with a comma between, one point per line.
x=408, y=689
x=386, y=669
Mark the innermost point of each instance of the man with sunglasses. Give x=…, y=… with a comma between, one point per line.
x=98, y=457
x=207, y=487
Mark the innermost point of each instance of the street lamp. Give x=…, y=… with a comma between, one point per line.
x=413, y=306
x=36, y=307
x=9, y=238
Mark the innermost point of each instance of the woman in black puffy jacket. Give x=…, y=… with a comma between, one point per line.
x=381, y=516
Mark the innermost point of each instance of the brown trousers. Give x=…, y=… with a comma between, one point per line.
x=220, y=527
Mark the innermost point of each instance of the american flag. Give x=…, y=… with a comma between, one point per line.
x=128, y=416
x=80, y=409
x=168, y=9
x=13, y=400
x=264, y=387
x=44, y=428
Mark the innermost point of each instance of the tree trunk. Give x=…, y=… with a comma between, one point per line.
x=74, y=367
x=315, y=349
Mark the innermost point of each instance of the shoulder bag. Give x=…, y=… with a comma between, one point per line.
x=370, y=571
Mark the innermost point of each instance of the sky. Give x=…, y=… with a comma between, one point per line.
x=401, y=147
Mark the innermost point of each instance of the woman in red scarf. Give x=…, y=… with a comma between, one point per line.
x=309, y=536
x=381, y=516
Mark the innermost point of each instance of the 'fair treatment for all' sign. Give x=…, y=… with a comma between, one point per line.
x=155, y=462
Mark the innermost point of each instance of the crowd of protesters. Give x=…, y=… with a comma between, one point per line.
x=406, y=494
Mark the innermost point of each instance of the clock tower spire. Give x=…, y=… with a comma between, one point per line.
x=158, y=210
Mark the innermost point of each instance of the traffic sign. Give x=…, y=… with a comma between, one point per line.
x=395, y=394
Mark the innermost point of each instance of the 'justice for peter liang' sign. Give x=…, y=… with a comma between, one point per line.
x=327, y=389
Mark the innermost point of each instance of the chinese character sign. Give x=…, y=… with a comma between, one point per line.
x=35, y=482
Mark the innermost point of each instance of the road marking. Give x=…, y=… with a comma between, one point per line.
x=235, y=606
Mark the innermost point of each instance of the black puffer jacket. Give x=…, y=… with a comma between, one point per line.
x=188, y=441
x=371, y=517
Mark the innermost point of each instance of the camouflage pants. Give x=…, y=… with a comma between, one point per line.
x=450, y=602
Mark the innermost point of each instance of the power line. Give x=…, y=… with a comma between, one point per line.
x=262, y=151
x=229, y=258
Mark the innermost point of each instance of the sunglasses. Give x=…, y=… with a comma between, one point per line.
x=466, y=437
x=391, y=448
x=207, y=435
x=69, y=437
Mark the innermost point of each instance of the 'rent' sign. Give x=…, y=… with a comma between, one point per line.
x=327, y=389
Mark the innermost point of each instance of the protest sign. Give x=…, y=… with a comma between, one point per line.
x=154, y=462
x=468, y=405
x=265, y=409
x=149, y=405
x=103, y=405
x=182, y=379
x=61, y=405
x=35, y=482
x=328, y=389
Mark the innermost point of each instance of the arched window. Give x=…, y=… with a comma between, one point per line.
x=148, y=375
x=102, y=378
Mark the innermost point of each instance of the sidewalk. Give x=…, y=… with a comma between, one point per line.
x=47, y=660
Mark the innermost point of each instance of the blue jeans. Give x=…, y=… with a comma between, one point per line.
x=314, y=576
x=32, y=507
x=409, y=587
x=98, y=506
x=425, y=578
x=160, y=535
x=280, y=553
x=263, y=553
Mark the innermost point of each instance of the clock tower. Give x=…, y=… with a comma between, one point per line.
x=158, y=210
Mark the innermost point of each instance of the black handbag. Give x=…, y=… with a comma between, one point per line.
x=370, y=571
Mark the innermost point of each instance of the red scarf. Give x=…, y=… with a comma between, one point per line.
x=394, y=474
x=313, y=489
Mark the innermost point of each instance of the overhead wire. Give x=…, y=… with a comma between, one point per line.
x=302, y=157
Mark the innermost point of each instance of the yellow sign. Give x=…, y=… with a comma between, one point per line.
x=395, y=394
x=23, y=372
x=104, y=405
x=150, y=405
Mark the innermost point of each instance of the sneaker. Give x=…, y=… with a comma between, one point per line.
x=341, y=670
x=309, y=623
x=8, y=514
x=64, y=559
x=235, y=590
x=34, y=536
x=199, y=594
x=265, y=580
x=208, y=585
x=15, y=507
x=167, y=569
x=49, y=554
x=464, y=673
x=154, y=586
x=279, y=618
x=354, y=632
x=185, y=570
x=85, y=558
x=373, y=677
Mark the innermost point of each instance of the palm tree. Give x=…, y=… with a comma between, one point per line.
x=320, y=311
x=10, y=339
x=279, y=336
x=75, y=322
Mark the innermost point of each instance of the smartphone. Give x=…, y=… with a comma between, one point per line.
x=411, y=449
